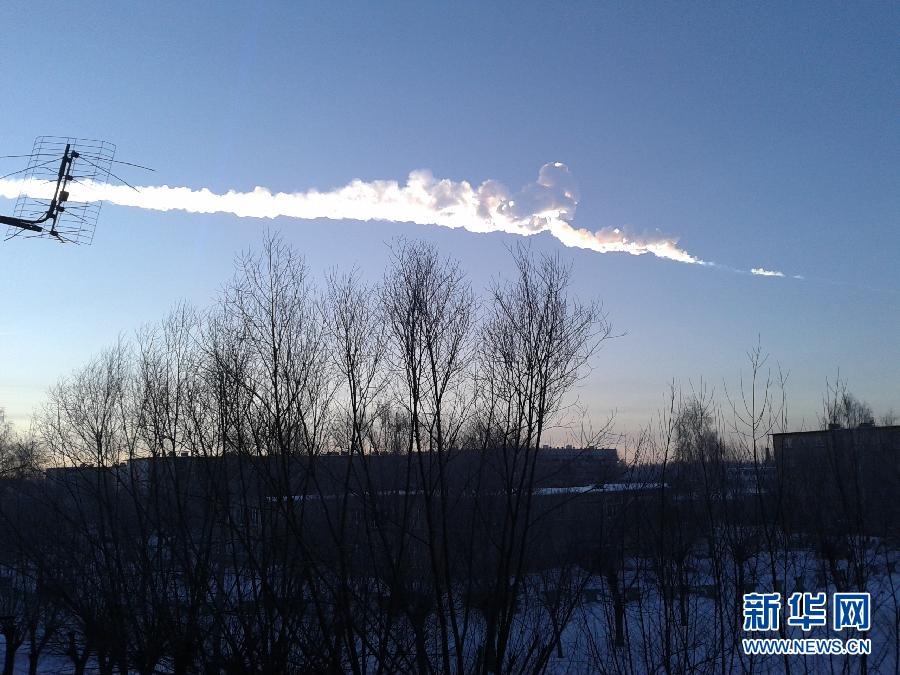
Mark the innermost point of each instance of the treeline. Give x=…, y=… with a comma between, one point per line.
x=237, y=546
x=352, y=479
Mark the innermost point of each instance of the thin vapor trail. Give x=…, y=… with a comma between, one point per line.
x=546, y=205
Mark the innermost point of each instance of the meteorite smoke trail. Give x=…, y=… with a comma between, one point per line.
x=546, y=205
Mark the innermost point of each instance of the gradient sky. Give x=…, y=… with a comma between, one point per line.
x=762, y=134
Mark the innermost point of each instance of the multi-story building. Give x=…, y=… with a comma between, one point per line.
x=836, y=478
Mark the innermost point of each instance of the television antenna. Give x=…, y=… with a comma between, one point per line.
x=45, y=208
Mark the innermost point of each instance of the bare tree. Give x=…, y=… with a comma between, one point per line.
x=537, y=341
x=841, y=408
x=20, y=454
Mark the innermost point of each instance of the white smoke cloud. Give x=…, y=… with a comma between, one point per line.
x=547, y=205
x=760, y=272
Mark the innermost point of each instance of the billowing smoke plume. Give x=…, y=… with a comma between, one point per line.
x=547, y=205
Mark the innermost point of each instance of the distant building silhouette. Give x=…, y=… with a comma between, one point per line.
x=837, y=478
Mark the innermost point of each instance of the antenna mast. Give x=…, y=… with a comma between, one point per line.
x=57, y=203
x=45, y=207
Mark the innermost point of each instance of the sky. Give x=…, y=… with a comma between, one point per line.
x=756, y=134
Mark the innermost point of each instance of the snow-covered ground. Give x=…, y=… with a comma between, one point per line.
x=709, y=639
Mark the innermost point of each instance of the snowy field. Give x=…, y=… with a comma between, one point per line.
x=703, y=635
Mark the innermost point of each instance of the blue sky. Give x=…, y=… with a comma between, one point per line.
x=761, y=134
